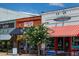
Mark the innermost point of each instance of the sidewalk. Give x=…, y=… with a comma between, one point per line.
x=10, y=54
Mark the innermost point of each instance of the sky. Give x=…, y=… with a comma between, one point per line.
x=37, y=8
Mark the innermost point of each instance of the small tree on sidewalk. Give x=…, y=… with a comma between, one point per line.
x=36, y=35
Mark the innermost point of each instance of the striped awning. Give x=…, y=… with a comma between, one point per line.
x=64, y=31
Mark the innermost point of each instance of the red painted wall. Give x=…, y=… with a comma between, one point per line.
x=56, y=43
x=20, y=22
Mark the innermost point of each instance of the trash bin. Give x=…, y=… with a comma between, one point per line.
x=51, y=53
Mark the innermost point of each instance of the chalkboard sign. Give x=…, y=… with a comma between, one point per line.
x=14, y=51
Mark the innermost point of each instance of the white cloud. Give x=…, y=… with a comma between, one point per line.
x=57, y=4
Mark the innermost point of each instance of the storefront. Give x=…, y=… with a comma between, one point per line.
x=11, y=33
x=26, y=23
x=6, y=27
x=64, y=28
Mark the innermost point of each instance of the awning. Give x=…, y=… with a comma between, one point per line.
x=5, y=37
x=64, y=31
x=17, y=31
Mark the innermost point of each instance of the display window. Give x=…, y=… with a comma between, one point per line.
x=50, y=44
x=75, y=42
x=60, y=43
x=5, y=45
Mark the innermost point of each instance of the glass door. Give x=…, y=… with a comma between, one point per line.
x=50, y=44
x=66, y=44
x=63, y=46
x=60, y=43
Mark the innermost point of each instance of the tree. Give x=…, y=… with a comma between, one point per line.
x=36, y=35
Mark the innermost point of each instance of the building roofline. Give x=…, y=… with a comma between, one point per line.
x=14, y=14
x=7, y=21
x=73, y=7
x=15, y=11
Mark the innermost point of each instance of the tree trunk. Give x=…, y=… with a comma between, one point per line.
x=43, y=48
x=38, y=50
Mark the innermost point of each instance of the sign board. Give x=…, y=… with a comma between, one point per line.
x=28, y=24
x=7, y=25
x=6, y=31
x=54, y=20
x=14, y=50
x=57, y=20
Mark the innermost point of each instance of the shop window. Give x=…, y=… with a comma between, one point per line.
x=60, y=43
x=75, y=42
x=50, y=44
x=5, y=45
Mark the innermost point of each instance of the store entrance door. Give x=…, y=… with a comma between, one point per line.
x=67, y=44
x=64, y=46
x=60, y=43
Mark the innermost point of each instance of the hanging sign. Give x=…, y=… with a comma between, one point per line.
x=28, y=24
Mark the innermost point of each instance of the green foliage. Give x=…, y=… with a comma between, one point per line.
x=36, y=34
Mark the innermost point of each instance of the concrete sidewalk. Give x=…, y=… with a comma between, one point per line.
x=10, y=54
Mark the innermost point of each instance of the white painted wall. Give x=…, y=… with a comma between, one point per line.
x=72, y=12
